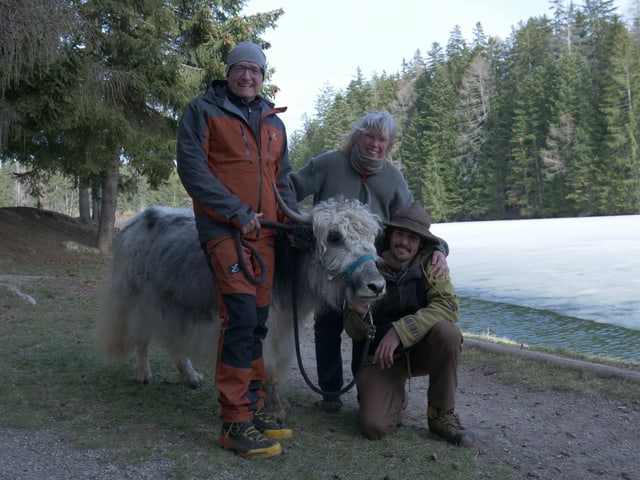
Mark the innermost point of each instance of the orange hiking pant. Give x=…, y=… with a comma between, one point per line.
x=244, y=308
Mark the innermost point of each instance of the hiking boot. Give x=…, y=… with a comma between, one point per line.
x=244, y=439
x=269, y=426
x=448, y=426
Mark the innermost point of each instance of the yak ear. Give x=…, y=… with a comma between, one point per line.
x=295, y=217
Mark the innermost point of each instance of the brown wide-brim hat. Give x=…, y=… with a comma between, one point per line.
x=414, y=218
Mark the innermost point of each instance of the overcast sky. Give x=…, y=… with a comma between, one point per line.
x=321, y=43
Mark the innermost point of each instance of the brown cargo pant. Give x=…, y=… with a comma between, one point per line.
x=381, y=393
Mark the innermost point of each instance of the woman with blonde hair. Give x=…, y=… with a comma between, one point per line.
x=360, y=169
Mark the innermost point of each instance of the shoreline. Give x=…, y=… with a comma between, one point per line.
x=544, y=330
x=598, y=369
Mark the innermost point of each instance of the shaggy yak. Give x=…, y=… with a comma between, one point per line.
x=160, y=286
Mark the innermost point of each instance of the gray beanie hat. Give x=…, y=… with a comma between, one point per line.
x=247, y=52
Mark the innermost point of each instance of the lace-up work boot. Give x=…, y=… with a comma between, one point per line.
x=247, y=441
x=269, y=426
x=448, y=426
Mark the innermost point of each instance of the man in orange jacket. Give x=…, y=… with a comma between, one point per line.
x=232, y=147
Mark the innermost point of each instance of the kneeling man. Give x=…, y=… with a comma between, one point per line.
x=415, y=334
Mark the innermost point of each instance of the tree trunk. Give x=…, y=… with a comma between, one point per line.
x=96, y=198
x=83, y=201
x=108, y=206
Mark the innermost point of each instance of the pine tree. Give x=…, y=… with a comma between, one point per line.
x=428, y=140
x=114, y=97
x=30, y=31
x=603, y=44
x=473, y=109
x=533, y=83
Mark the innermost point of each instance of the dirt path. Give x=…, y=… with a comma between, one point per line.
x=542, y=435
x=551, y=435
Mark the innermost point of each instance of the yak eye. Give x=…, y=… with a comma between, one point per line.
x=334, y=238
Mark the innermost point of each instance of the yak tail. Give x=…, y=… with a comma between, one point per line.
x=113, y=328
x=111, y=334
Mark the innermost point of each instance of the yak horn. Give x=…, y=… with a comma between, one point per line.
x=296, y=217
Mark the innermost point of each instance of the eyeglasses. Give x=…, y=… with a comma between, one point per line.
x=240, y=70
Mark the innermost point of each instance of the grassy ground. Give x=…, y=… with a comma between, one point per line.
x=52, y=379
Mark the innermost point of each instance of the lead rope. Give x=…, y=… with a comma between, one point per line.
x=296, y=329
x=294, y=301
x=241, y=242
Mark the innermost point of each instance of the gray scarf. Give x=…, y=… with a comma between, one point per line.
x=366, y=165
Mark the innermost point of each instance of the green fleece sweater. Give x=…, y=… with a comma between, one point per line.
x=330, y=175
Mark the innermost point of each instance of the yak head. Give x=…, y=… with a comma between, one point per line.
x=344, y=256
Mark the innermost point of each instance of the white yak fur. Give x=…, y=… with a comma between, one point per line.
x=160, y=287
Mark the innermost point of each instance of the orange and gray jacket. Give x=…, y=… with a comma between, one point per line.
x=229, y=155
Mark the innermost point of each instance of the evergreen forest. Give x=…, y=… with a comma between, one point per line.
x=544, y=123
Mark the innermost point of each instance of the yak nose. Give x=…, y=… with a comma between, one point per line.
x=377, y=287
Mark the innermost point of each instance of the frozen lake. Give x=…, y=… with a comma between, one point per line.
x=562, y=279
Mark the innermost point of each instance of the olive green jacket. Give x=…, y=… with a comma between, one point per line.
x=415, y=301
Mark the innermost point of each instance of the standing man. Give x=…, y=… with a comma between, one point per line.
x=360, y=169
x=232, y=147
x=415, y=334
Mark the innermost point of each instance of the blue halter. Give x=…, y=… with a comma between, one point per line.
x=346, y=275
